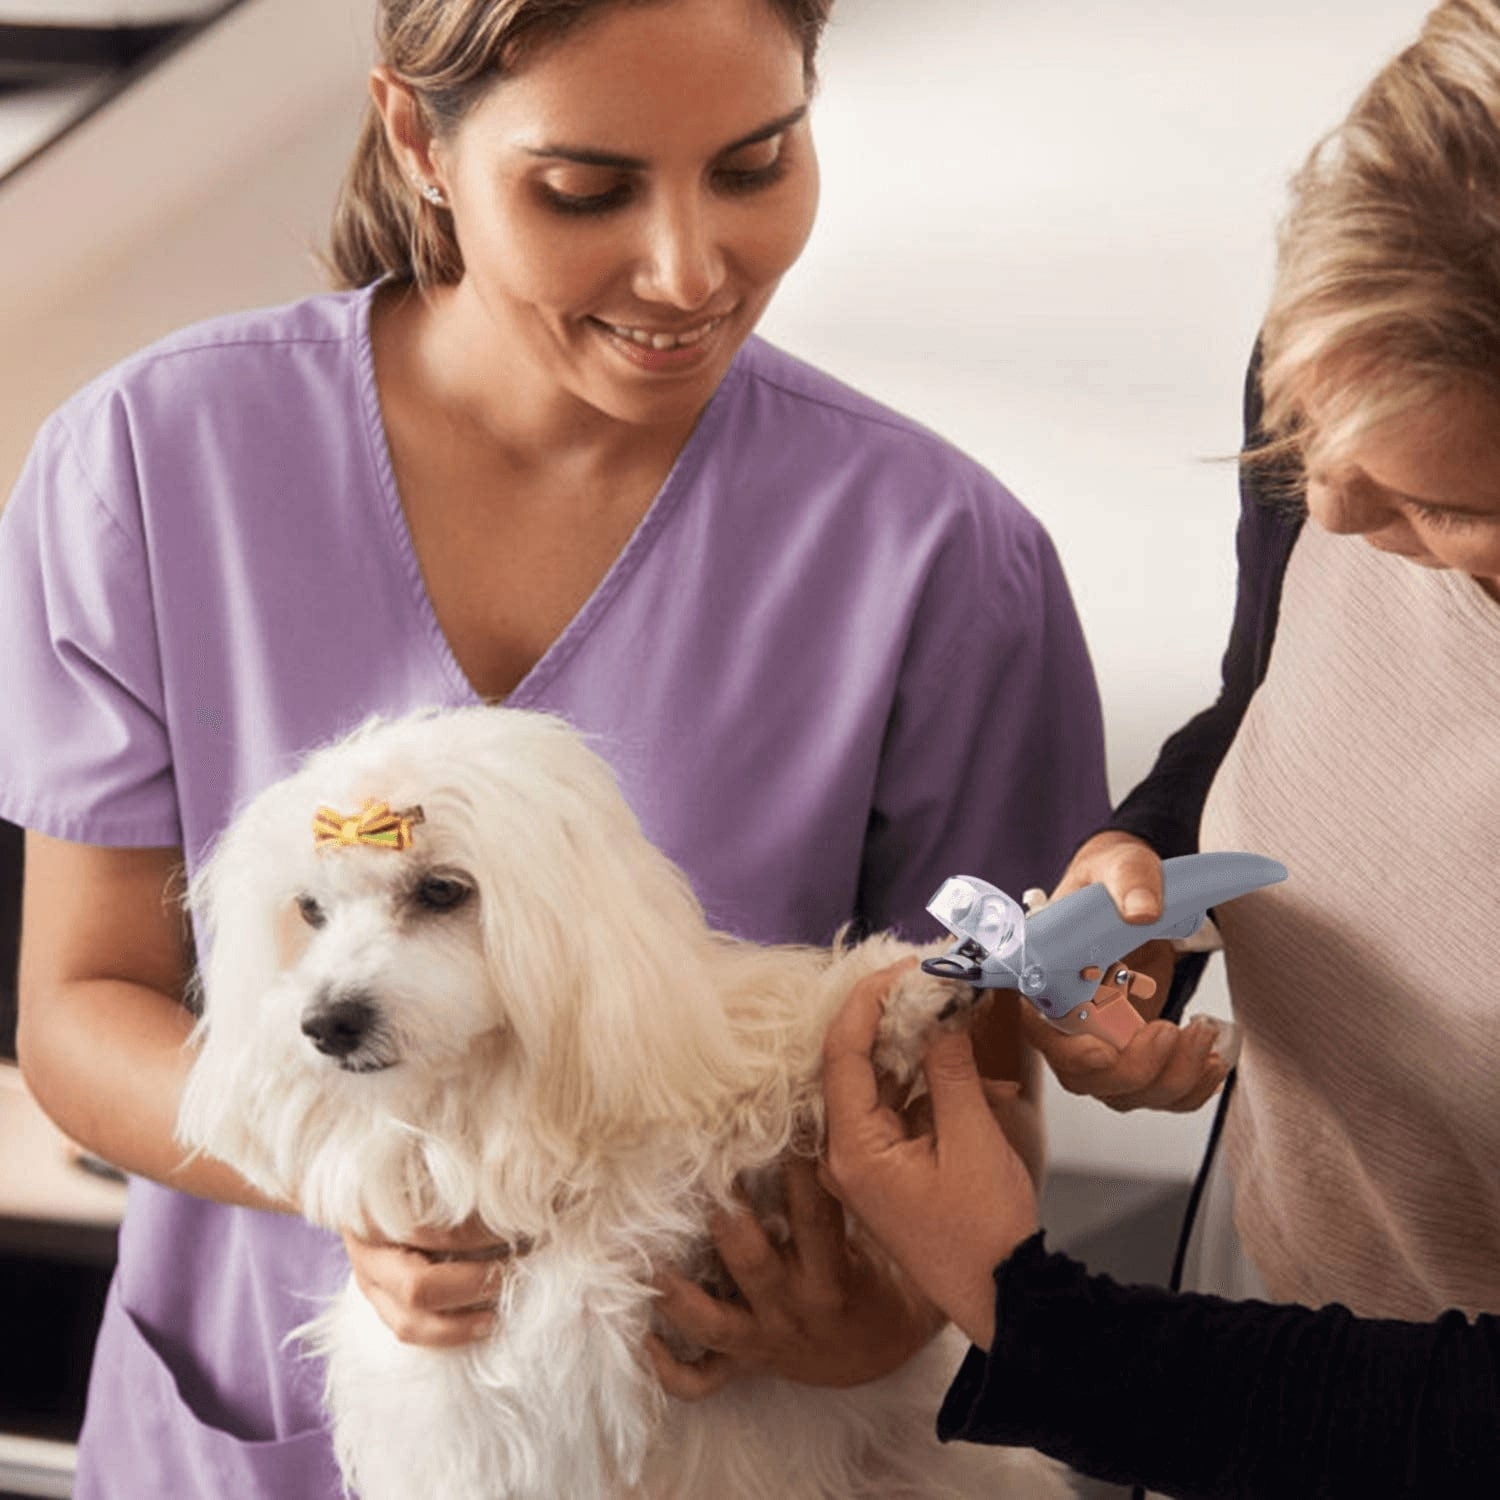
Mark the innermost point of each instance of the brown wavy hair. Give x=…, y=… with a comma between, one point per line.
x=1387, y=288
x=450, y=53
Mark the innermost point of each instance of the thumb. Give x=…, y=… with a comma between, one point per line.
x=1131, y=873
x=953, y=1084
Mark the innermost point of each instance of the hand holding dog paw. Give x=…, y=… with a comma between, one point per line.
x=950, y=1205
x=438, y=1289
x=816, y=1310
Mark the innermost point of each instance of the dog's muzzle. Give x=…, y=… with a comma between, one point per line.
x=339, y=1026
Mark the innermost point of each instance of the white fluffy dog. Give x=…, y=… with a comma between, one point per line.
x=476, y=989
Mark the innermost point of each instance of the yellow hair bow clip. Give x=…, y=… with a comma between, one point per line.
x=375, y=826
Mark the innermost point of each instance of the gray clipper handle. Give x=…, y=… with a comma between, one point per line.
x=1085, y=929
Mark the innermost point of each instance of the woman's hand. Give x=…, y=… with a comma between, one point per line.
x=1165, y=1066
x=438, y=1289
x=819, y=1310
x=949, y=1206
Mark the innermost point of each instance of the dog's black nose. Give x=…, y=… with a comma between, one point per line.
x=337, y=1028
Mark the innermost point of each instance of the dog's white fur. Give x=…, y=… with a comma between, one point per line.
x=573, y=1056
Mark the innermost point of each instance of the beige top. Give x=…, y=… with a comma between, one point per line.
x=1364, y=1137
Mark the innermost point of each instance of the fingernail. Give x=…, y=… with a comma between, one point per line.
x=1138, y=903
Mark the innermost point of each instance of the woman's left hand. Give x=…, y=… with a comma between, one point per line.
x=818, y=1311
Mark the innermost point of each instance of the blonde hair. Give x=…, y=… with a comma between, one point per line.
x=450, y=53
x=1387, y=291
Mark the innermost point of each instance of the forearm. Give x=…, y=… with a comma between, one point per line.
x=1205, y=1398
x=107, y=1060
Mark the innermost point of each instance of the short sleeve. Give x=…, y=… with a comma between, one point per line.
x=993, y=763
x=84, y=752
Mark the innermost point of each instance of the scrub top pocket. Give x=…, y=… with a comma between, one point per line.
x=158, y=1445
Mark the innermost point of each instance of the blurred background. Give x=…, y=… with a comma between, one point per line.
x=1047, y=232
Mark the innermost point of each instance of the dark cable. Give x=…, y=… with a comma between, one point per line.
x=1195, y=1200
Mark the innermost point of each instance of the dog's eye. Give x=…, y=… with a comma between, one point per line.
x=312, y=913
x=442, y=892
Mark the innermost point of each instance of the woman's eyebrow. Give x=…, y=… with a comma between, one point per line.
x=586, y=156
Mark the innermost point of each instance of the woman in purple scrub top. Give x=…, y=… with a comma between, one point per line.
x=531, y=453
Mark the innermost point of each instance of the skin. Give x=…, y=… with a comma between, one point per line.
x=1423, y=486
x=698, y=229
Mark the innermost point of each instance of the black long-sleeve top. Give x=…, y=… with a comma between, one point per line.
x=1191, y=1395
x=1206, y=1399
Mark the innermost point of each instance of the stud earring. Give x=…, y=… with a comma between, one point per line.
x=432, y=193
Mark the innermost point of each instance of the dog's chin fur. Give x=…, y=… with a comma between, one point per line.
x=575, y=1058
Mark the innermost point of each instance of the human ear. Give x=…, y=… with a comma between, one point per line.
x=406, y=131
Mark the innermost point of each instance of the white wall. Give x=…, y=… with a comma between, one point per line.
x=1046, y=232
x=205, y=189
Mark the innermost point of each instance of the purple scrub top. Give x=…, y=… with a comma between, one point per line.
x=836, y=663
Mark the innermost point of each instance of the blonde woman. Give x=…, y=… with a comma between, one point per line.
x=530, y=452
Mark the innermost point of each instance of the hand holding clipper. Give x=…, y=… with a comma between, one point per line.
x=1057, y=958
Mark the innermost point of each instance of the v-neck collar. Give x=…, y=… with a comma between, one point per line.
x=675, y=487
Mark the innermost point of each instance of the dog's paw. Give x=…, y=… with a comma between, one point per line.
x=918, y=1002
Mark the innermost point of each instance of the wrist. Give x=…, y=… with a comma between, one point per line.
x=984, y=1310
x=975, y=1318
x=970, y=1303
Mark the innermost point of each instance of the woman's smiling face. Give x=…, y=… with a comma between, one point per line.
x=1424, y=485
x=628, y=201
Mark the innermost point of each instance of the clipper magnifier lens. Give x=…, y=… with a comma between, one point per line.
x=980, y=913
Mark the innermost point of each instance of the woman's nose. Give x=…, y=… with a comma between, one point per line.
x=683, y=262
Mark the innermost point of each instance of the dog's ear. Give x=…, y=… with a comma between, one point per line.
x=235, y=898
x=601, y=959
